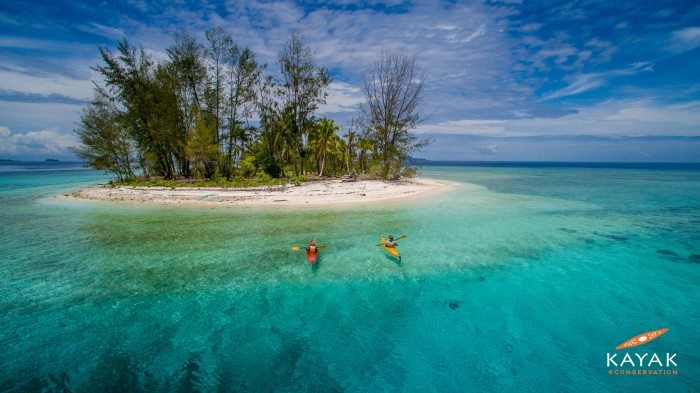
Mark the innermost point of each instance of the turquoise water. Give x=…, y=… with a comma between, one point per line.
x=520, y=280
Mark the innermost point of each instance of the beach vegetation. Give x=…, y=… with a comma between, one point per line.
x=393, y=87
x=202, y=153
x=218, y=182
x=106, y=145
x=302, y=90
x=298, y=179
x=210, y=113
x=269, y=165
x=246, y=167
x=324, y=141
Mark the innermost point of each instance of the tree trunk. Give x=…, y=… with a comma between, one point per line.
x=323, y=162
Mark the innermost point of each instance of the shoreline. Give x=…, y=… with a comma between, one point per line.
x=320, y=193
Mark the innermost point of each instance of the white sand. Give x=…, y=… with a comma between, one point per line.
x=313, y=193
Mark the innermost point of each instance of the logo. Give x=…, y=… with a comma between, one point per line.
x=641, y=339
x=638, y=363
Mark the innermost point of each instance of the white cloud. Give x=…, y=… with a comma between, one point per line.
x=686, y=105
x=50, y=84
x=26, y=116
x=23, y=43
x=105, y=31
x=35, y=143
x=580, y=84
x=611, y=118
x=559, y=54
x=584, y=82
x=445, y=27
x=687, y=114
x=342, y=97
x=491, y=127
x=478, y=33
x=460, y=44
x=488, y=150
x=605, y=50
x=530, y=27
x=685, y=39
x=689, y=34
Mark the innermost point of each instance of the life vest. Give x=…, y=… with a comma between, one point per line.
x=312, y=248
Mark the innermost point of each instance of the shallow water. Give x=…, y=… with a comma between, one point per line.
x=521, y=279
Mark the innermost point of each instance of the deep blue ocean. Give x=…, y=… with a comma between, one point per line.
x=523, y=279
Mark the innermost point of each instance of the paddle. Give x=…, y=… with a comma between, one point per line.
x=297, y=248
x=404, y=236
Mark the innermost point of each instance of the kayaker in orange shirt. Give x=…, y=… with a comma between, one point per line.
x=311, y=247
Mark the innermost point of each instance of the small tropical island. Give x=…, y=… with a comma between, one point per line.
x=211, y=125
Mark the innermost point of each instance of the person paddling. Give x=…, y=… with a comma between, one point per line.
x=391, y=242
x=312, y=247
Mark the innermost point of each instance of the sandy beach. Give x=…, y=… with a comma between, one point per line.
x=321, y=193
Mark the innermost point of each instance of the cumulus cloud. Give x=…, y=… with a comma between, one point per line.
x=35, y=143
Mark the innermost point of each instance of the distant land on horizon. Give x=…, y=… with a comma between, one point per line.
x=40, y=161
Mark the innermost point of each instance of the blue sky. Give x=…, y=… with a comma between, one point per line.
x=507, y=80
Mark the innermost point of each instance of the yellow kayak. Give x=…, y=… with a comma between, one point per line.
x=393, y=251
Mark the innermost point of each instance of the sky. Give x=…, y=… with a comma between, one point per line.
x=506, y=80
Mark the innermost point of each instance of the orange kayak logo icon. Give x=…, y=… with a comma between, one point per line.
x=638, y=363
x=642, y=339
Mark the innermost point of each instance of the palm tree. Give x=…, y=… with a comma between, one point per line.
x=365, y=145
x=337, y=150
x=350, y=149
x=324, y=137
